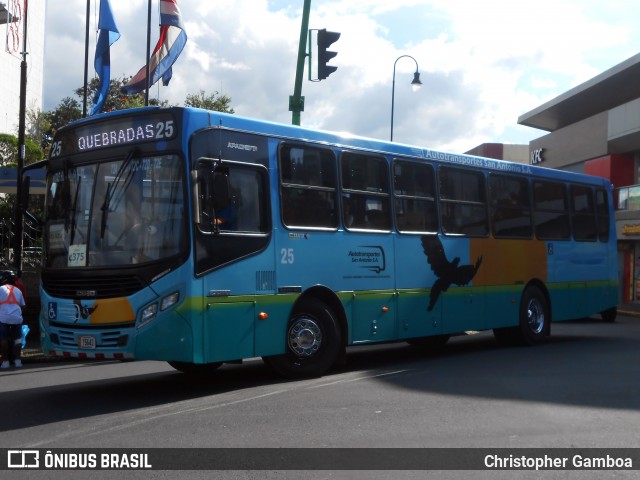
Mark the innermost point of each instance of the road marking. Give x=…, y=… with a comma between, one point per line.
x=350, y=380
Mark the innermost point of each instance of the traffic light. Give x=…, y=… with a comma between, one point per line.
x=324, y=40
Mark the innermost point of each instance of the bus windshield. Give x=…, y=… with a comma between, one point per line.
x=119, y=212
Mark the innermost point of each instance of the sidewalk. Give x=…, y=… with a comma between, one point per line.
x=33, y=354
x=629, y=309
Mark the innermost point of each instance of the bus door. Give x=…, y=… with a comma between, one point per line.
x=233, y=233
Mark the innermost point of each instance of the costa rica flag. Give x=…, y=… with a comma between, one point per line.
x=171, y=42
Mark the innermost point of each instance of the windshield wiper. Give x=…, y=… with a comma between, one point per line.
x=109, y=193
x=73, y=211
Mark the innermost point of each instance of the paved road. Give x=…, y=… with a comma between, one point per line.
x=581, y=389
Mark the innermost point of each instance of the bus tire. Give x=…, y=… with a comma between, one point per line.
x=535, y=317
x=534, y=321
x=195, y=369
x=609, y=315
x=313, y=341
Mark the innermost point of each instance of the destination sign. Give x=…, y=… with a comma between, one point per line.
x=116, y=132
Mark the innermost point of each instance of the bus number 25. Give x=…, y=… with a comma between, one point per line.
x=286, y=256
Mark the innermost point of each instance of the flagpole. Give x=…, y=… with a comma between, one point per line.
x=146, y=90
x=18, y=219
x=86, y=60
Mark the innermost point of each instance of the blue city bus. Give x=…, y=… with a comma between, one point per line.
x=201, y=238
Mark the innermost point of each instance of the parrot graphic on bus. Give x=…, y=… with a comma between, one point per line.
x=448, y=272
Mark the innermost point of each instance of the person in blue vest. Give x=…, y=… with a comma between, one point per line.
x=11, y=305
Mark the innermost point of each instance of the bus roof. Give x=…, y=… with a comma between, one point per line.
x=201, y=118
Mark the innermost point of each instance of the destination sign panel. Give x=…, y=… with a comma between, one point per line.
x=113, y=133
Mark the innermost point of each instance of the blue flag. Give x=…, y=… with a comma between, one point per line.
x=108, y=34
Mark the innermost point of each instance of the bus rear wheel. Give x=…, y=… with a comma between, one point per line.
x=313, y=341
x=609, y=315
x=534, y=321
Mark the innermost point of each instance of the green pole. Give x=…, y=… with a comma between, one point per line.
x=296, y=101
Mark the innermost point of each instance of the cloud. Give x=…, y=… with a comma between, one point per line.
x=482, y=64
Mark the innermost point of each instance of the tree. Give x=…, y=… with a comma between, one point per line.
x=9, y=151
x=67, y=111
x=116, y=100
x=38, y=128
x=9, y=158
x=209, y=102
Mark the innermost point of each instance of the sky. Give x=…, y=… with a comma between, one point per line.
x=482, y=63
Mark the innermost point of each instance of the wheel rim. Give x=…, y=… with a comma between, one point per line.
x=305, y=337
x=535, y=316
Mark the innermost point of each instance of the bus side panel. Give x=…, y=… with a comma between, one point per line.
x=447, y=269
x=413, y=283
x=503, y=306
x=507, y=266
x=169, y=338
x=374, y=317
x=414, y=320
x=229, y=329
x=581, y=279
x=271, y=331
x=344, y=262
x=461, y=297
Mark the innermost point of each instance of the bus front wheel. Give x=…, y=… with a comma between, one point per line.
x=313, y=341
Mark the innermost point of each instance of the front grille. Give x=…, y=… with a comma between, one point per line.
x=104, y=339
x=105, y=287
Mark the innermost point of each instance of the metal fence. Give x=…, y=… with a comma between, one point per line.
x=31, y=245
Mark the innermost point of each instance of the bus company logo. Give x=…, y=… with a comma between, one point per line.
x=23, y=459
x=86, y=293
x=371, y=257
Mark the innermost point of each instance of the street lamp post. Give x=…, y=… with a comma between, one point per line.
x=415, y=84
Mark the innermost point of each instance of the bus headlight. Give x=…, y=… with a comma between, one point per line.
x=169, y=301
x=148, y=314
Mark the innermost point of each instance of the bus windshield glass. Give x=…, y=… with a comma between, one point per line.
x=121, y=212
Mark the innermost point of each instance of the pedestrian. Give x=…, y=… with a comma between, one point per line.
x=11, y=304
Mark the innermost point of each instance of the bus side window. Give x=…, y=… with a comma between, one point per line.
x=583, y=215
x=414, y=197
x=463, y=202
x=510, y=206
x=551, y=215
x=602, y=212
x=308, y=187
x=231, y=199
x=223, y=210
x=365, y=192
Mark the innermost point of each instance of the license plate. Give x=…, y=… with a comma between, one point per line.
x=87, y=342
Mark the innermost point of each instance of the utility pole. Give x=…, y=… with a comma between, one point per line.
x=17, y=246
x=296, y=101
x=86, y=60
